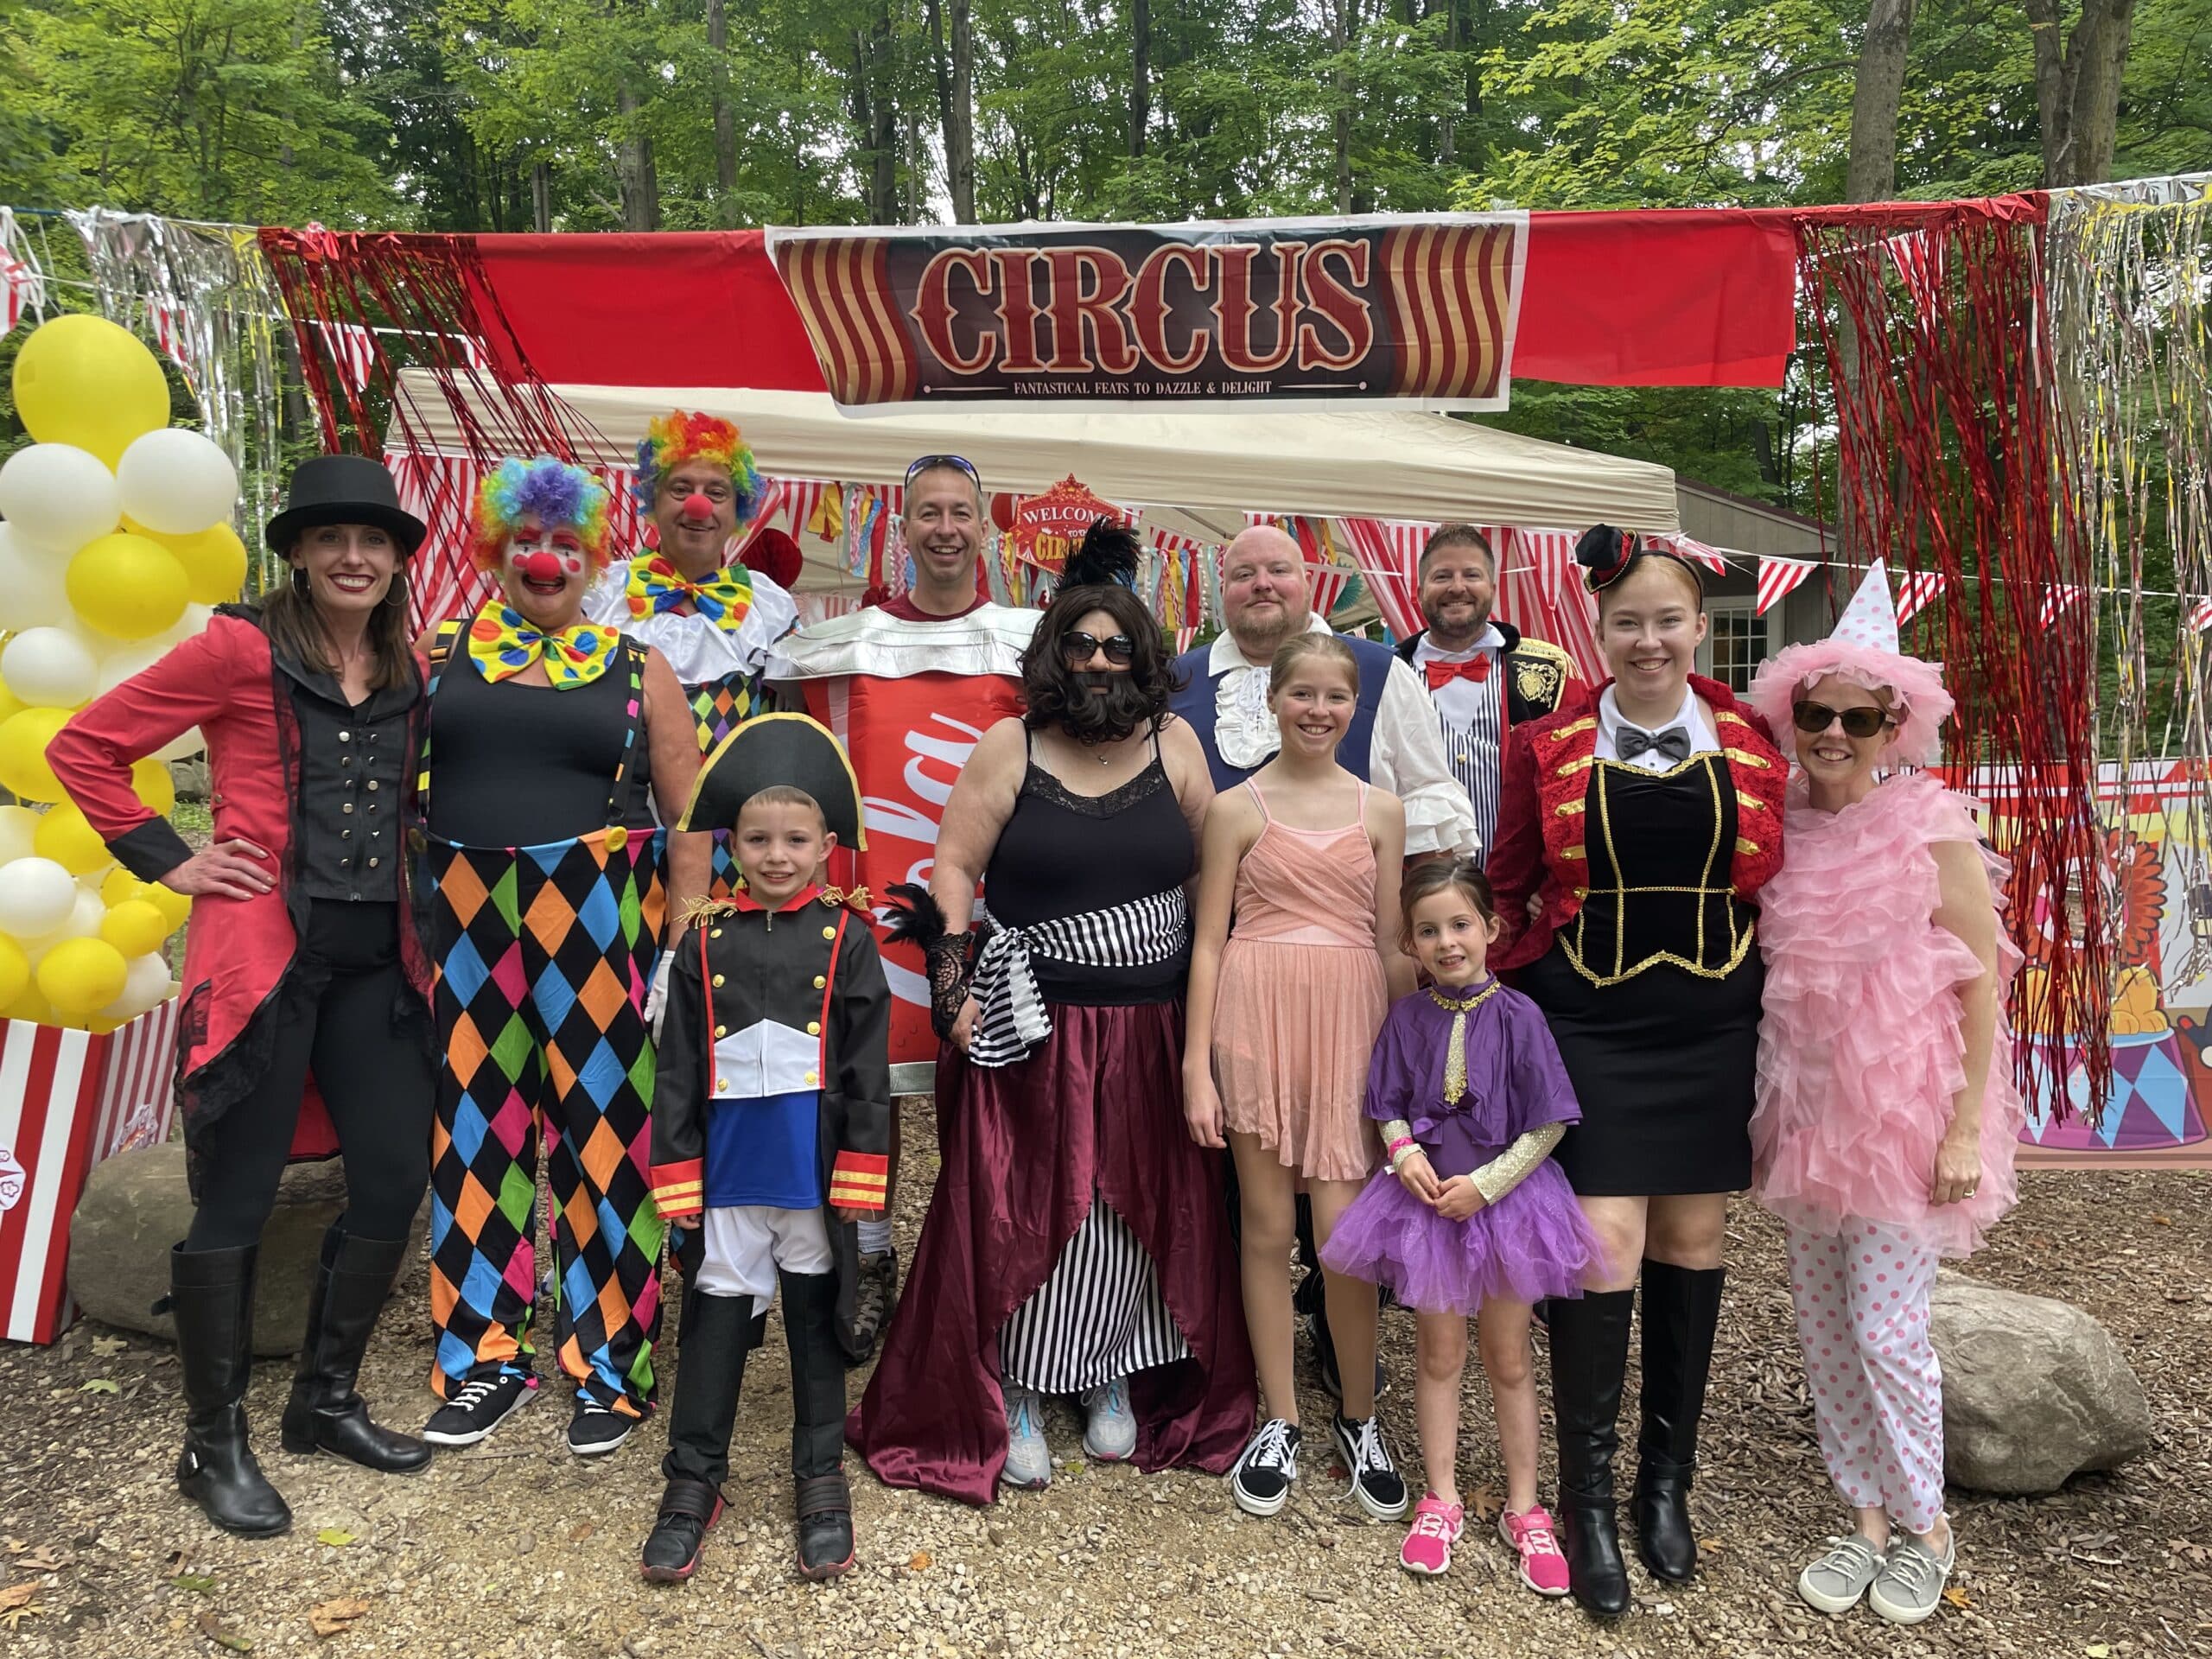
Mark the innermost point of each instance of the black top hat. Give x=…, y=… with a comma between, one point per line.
x=343, y=490
x=768, y=750
x=1605, y=554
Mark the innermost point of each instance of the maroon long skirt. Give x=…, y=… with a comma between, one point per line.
x=1097, y=1107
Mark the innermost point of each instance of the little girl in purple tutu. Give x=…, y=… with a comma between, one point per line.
x=1471, y=1214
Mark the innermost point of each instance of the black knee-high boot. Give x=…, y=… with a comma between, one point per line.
x=715, y=1335
x=1589, y=1341
x=1681, y=1312
x=824, y=1501
x=326, y=1413
x=211, y=1293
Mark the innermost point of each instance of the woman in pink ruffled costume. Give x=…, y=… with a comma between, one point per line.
x=1887, y=1115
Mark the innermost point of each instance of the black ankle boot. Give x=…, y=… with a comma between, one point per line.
x=1589, y=1342
x=825, y=1502
x=1681, y=1311
x=325, y=1413
x=714, y=1335
x=211, y=1293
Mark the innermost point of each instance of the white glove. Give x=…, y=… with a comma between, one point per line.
x=657, y=994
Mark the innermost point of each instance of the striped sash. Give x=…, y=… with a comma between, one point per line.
x=1013, y=1018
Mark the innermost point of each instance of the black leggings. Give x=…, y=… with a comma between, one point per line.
x=336, y=1016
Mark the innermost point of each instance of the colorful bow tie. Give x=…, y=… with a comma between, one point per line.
x=503, y=645
x=655, y=585
x=1476, y=668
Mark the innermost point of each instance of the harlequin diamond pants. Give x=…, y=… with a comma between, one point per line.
x=1877, y=1390
x=720, y=707
x=543, y=955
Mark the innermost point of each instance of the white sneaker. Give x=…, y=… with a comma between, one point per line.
x=1109, y=1433
x=1029, y=1459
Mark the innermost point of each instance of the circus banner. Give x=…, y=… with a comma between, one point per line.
x=1421, y=308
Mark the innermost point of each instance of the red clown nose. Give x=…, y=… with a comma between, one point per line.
x=697, y=506
x=542, y=566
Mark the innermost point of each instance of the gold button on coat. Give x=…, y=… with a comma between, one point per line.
x=718, y=980
x=820, y=984
x=813, y=1027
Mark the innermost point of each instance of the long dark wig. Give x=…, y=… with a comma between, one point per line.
x=1102, y=708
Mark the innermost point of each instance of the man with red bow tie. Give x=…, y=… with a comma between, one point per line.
x=1482, y=676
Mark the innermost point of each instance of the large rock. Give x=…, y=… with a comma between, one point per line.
x=2034, y=1391
x=136, y=1206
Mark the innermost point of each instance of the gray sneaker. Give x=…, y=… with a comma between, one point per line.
x=1109, y=1431
x=1028, y=1461
x=1836, y=1581
x=1909, y=1587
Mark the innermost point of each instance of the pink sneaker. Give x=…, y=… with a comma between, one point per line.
x=1543, y=1568
x=1428, y=1549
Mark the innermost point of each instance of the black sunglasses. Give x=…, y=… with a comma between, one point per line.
x=1814, y=718
x=958, y=463
x=1077, y=649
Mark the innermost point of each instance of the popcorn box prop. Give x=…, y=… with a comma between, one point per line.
x=67, y=1100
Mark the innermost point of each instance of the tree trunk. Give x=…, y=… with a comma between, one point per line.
x=959, y=129
x=2078, y=86
x=1448, y=133
x=1140, y=75
x=877, y=116
x=1340, y=45
x=1870, y=172
x=633, y=169
x=725, y=121
x=541, y=198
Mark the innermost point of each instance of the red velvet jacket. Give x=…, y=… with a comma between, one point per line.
x=1538, y=847
x=224, y=681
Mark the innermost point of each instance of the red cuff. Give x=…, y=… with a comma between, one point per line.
x=860, y=1180
x=680, y=1189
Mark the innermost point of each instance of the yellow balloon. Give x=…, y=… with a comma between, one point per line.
x=172, y=904
x=127, y=586
x=214, y=561
x=135, y=927
x=15, y=970
x=120, y=887
x=23, y=738
x=10, y=704
x=81, y=380
x=65, y=836
x=81, y=976
x=151, y=781
x=31, y=1007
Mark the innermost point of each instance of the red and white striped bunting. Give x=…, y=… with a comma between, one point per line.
x=1780, y=577
x=2059, y=599
x=2200, y=616
x=1916, y=592
x=1697, y=552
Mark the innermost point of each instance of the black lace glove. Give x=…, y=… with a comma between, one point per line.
x=916, y=918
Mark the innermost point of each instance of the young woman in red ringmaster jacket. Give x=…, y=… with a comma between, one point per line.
x=1644, y=831
x=302, y=958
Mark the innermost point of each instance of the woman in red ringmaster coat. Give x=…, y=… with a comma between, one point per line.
x=1642, y=829
x=302, y=957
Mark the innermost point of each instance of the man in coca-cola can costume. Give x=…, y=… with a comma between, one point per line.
x=908, y=686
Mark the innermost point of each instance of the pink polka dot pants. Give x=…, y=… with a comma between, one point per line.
x=1877, y=1390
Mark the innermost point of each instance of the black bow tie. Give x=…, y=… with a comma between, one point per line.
x=1630, y=741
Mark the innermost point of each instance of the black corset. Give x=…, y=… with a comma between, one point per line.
x=1661, y=847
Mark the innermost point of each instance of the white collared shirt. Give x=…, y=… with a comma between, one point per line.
x=1691, y=716
x=1405, y=751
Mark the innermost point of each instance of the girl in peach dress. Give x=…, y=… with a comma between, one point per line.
x=1283, y=1011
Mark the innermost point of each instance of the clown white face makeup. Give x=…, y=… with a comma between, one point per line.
x=695, y=513
x=350, y=568
x=545, y=572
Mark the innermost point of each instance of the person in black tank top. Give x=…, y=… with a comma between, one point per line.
x=1059, y=1098
x=548, y=741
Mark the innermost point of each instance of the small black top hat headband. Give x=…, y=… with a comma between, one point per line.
x=1605, y=555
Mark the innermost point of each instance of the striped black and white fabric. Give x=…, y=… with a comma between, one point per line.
x=1012, y=1020
x=1471, y=714
x=1100, y=1314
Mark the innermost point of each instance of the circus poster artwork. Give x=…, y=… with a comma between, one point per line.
x=2158, y=900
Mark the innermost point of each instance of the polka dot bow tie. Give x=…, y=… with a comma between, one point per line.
x=503, y=645
x=723, y=598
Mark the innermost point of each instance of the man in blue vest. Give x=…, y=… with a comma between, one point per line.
x=1394, y=743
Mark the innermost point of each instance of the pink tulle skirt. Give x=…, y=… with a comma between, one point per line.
x=1532, y=1243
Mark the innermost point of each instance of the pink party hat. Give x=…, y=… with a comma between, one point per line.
x=1871, y=619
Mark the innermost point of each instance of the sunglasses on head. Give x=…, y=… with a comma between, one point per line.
x=958, y=463
x=1814, y=718
x=1077, y=649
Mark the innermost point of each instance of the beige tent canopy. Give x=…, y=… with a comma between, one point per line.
x=1195, y=469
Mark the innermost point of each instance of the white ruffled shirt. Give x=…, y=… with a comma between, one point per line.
x=1690, y=716
x=699, y=649
x=1405, y=751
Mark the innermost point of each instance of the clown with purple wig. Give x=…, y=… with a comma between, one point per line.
x=560, y=747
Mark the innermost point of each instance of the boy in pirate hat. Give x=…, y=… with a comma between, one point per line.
x=770, y=1129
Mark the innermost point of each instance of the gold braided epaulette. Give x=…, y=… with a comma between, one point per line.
x=700, y=910
x=850, y=898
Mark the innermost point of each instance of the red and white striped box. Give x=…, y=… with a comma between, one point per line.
x=67, y=1100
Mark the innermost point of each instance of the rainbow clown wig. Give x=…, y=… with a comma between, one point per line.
x=552, y=492
x=683, y=435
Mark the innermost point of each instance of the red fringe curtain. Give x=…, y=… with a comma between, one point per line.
x=1933, y=325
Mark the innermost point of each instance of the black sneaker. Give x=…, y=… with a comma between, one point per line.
x=873, y=1297
x=688, y=1509
x=1375, y=1479
x=479, y=1407
x=1261, y=1478
x=594, y=1429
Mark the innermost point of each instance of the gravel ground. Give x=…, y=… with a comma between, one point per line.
x=518, y=1549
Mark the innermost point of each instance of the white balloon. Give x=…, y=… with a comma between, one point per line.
x=49, y=668
x=59, y=497
x=177, y=481
x=37, y=897
x=17, y=825
x=145, y=983
x=134, y=659
x=180, y=748
x=194, y=620
x=86, y=911
x=32, y=594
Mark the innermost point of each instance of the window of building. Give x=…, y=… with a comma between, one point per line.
x=1735, y=643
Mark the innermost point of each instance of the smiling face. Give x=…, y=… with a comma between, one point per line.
x=696, y=514
x=1314, y=704
x=350, y=566
x=944, y=528
x=1101, y=629
x=1458, y=586
x=1832, y=756
x=779, y=845
x=1264, y=594
x=1649, y=625
x=1451, y=937
x=545, y=572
